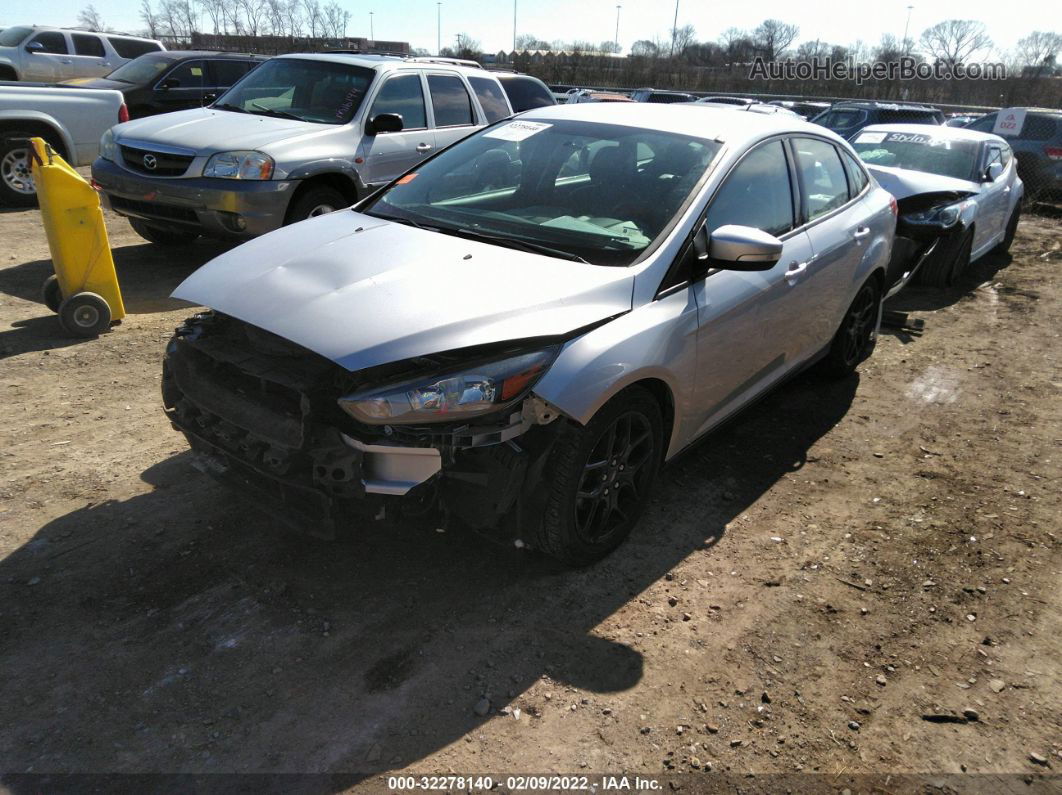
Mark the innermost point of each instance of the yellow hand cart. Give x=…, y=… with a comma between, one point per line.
x=84, y=290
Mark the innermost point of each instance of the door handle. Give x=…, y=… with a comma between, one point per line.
x=861, y=232
x=422, y=148
x=795, y=270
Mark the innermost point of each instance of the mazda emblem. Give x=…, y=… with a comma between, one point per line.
x=150, y=162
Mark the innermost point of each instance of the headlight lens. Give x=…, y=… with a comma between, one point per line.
x=945, y=216
x=451, y=396
x=239, y=165
x=108, y=146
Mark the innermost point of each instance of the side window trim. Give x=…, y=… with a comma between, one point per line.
x=86, y=34
x=473, y=102
x=424, y=97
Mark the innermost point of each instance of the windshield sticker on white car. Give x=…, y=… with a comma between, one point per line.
x=870, y=138
x=517, y=130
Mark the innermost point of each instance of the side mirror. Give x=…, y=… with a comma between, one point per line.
x=168, y=83
x=384, y=123
x=34, y=46
x=994, y=171
x=742, y=248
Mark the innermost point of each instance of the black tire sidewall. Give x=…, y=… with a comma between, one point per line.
x=835, y=363
x=313, y=197
x=75, y=302
x=9, y=196
x=51, y=293
x=559, y=537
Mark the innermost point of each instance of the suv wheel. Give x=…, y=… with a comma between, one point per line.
x=16, y=180
x=316, y=201
x=163, y=235
x=600, y=480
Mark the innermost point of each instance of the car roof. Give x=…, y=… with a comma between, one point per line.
x=82, y=30
x=675, y=118
x=383, y=63
x=942, y=132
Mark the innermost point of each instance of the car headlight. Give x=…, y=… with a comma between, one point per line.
x=451, y=396
x=239, y=165
x=945, y=216
x=108, y=146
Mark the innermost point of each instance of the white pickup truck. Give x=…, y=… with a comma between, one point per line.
x=70, y=119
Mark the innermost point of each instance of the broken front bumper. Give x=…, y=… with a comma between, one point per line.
x=261, y=415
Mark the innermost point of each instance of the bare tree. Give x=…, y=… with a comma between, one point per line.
x=644, y=48
x=255, y=15
x=215, y=12
x=1039, y=50
x=150, y=18
x=889, y=48
x=682, y=38
x=809, y=50
x=954, y=41
x=773, y=37
x=314, y=17
x=467, y=47
x=336, y=19
x=90, y=19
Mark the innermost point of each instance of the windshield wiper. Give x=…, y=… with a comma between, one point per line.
x=280, y=114
x=513, y=242
x=407, y=221
x=233, y=108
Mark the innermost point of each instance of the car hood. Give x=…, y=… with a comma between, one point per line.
x=362, y=291
x=206, y=130
x=902, y=183
x=97, y=82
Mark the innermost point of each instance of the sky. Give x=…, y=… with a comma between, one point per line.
x=491, y=21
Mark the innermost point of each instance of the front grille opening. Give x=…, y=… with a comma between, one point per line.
x=162, y=164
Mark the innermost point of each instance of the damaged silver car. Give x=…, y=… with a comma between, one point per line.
x=520, y=331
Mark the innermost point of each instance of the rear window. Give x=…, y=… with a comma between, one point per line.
x=12, y=37
x=87, y=44
x=908, y=117
x=668, y=98
x=131, y=48
x=490, y=97
x=1038, y=128
x=526, y=93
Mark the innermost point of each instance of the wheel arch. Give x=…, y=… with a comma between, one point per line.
x=344, y=183
x=39, y=124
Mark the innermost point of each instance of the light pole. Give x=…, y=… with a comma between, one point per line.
x=372, y=33
x=438, y=28
x=906, y=27
x=514, y=25
x=618, y=7
x=674, y=29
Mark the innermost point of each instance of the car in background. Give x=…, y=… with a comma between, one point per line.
x=958, y=192
x=524, y=353
x=961, y=119
x=738, y=101
x=848, y=118
x=43, y=54
x=71, y=120
x=1037, y=143
x=524, y=91
x=805, y=108
x=581, y=95
x=161, y=82
x=657, y=96
x=299, y=136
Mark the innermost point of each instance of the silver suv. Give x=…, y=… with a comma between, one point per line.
x=300, y=136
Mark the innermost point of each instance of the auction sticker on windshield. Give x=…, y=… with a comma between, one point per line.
x=517, y=130
x=871, y=138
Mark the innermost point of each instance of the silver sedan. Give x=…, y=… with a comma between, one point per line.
x=523, y=329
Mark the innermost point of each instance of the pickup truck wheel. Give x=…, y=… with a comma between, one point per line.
x=855, y=339
x=16, y=181
x=51, y=293
x=316, y=201
x=163, y=235
x=601, y=476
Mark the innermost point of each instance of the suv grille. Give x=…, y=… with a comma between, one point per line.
x=161, y=164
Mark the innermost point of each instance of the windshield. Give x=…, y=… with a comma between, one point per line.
x=576, y=190
x=917, y=152
x=12, y=37
x=317, y=91
x=142, y=70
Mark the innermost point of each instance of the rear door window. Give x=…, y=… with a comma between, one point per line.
x=857, y=177
x=87, y=44
x=526, y=94
x=132, y=48
x=188, y=75
x=450, y=101
x=53, y=42
x=757, y=193
x=491, y=98
x=404, y=95
x=225, y=73
x=823, y=183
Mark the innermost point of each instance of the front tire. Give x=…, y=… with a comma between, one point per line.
x=600, y=480
x=163, y=235
x=857, y=334
x=942, y=273
x=316, y=201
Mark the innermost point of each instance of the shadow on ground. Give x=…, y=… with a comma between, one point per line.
x=176, y=631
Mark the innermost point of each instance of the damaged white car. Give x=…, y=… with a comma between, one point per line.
x=959, y=197
x=520, y=331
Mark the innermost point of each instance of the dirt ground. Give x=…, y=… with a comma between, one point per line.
x=810, y=584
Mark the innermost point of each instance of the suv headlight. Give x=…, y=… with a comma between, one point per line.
x=239, y=165
x=108, y=146
x=451, y=396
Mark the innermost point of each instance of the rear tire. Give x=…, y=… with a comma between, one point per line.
x=163, y=235
x=316, y=201
x=857, y=334
x=16, y=182
x=600, y=479
x=1012, y=230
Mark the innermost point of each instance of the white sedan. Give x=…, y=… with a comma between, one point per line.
x=958, y=192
